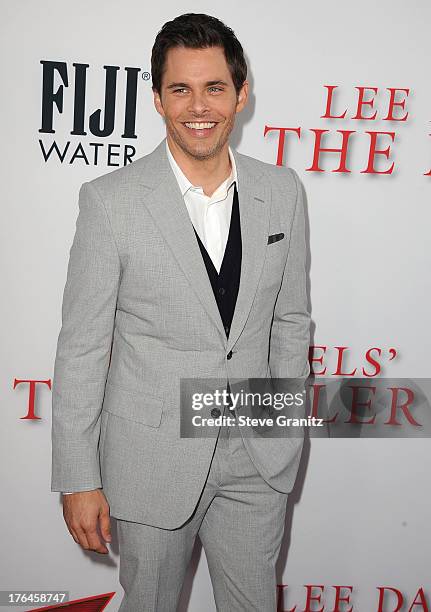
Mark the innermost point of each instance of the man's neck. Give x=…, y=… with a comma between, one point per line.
x=209, y=173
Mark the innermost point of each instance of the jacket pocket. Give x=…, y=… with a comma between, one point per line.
x=133, y=405
x=275, y=237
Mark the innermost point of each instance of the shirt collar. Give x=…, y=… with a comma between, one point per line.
x=185, y=184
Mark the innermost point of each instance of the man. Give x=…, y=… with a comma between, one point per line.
x=187, y=263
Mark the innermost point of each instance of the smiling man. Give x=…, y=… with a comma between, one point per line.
x=187, y=263
x=199, y=113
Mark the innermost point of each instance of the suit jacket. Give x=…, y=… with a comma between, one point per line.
x=139, y=313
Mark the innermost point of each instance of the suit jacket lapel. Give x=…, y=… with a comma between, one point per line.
x=165, y=203
x=253, y=194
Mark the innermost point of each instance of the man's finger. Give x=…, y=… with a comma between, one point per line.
x=73, y=534
x=82, y=538
x=105, y=526
x=94, y=541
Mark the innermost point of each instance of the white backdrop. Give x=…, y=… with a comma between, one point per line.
x=359, y=515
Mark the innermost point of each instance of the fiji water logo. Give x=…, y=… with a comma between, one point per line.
x=73, y=132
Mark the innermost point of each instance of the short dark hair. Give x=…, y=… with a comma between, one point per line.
x=197, y=31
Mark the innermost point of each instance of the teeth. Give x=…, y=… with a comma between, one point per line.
x=200, y=126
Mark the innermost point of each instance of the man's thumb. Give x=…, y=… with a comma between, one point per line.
x=105, y=526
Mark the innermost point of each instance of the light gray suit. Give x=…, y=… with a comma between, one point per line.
x=136, y=280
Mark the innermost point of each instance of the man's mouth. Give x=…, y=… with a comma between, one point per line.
x=200, y=125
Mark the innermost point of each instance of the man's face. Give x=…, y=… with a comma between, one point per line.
x=197, y=89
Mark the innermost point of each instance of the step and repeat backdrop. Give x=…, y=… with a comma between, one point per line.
x=341, y=93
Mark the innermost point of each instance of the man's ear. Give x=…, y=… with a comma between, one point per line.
x=158, y=103
x=242, y=97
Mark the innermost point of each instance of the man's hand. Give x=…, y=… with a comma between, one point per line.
x=82, y=511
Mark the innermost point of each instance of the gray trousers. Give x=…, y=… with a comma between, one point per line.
x=239, y=519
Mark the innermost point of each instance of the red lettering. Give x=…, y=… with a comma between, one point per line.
x=394, y=406
x=392, y=103
x=374, y=151
x=328, y=114
x=281, y=139
x=319, y=149
x=340, y=598
x=32, y=394
x=362, y=102
x=355, y=405
x=313, y=598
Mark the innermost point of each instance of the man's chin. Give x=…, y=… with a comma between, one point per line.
x=200, y=152
x=196, y=149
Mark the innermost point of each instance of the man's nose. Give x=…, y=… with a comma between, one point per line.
x=198, y=104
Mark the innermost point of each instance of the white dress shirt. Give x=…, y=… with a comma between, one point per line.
x=210, y=215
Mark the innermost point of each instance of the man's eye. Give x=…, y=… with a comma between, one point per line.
x=184, y=89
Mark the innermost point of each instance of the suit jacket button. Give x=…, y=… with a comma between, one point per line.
x=222, y=290
x=215, y=412
x=229, y=355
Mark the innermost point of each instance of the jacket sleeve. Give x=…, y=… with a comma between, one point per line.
x=84, y=347
x=290, y=333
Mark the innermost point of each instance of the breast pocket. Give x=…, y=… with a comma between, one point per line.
x=275, y=237
x=133, y=405
x=275, y=258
